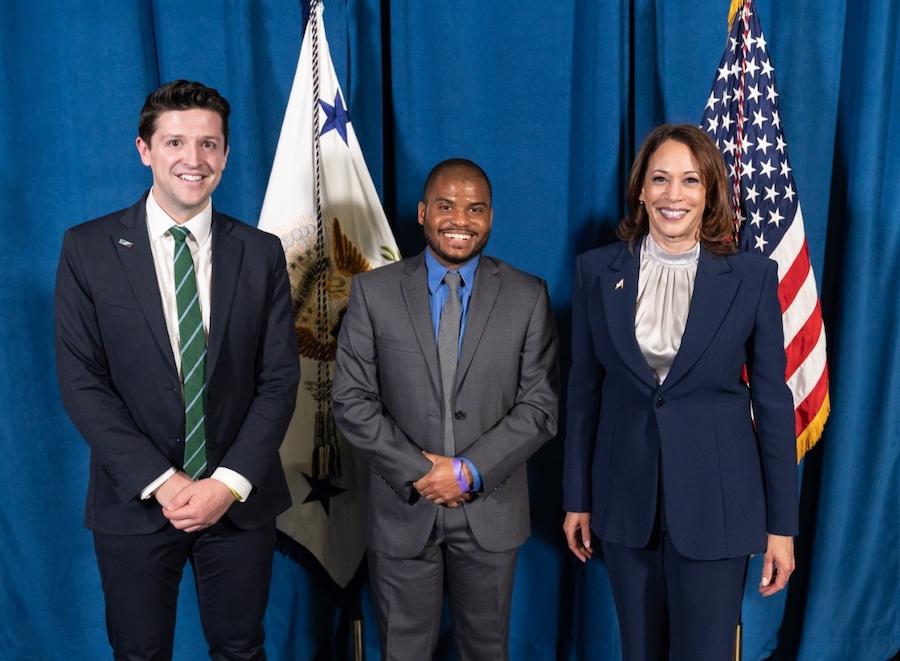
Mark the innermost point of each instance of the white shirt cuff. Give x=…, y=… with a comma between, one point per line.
x=151, y=488
x=234, y=481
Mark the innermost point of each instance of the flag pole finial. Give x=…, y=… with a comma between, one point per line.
x=733, y=10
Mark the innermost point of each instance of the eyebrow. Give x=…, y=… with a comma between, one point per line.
x=667, y=172
x=478, y=203
x=202, y=137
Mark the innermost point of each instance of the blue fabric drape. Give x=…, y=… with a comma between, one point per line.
x=552, y=99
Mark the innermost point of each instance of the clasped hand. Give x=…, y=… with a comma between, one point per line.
x=439, y=485
x=191, y=506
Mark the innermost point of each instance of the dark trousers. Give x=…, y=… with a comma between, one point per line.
x=408, y=595
x=141, y=573
x=673, y=607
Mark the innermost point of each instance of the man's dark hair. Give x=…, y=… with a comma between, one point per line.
x=181, y=95
x=456, y=166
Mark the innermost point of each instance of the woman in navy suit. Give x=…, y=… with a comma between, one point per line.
x=663, y=460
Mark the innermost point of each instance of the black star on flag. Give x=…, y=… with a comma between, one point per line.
x=322, y=491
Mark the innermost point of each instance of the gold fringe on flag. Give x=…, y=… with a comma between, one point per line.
x=813, y=432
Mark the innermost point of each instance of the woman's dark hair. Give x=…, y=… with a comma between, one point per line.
x=717, y=224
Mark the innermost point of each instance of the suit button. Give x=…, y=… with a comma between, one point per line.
x=212, y=446
x=460, y=415
x=660, y=402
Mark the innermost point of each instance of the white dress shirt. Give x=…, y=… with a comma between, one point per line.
x=162, y=245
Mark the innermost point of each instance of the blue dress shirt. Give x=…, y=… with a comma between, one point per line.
x=437, y=294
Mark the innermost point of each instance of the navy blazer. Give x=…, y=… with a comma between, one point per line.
x=120, y=385
x=725, y=483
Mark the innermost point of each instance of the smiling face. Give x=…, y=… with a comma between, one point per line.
x=674, y=197
x=187, y=155
x=456, y=214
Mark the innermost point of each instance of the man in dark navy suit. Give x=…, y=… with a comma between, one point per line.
x=177, y=362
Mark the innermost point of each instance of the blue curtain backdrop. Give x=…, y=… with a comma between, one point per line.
x=552, y=99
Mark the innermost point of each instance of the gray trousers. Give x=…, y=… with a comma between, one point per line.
x=408, y=595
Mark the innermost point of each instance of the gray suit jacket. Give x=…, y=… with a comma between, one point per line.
x=388, y=399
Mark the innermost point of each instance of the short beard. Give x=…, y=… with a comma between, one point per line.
x=451, y=259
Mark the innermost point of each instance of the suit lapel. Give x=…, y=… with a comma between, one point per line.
x=481, y=304
x=227, y=252
x=132, y=244
x=414, y=286
x=618, y=290
x=714, y=291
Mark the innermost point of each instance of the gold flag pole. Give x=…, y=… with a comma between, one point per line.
x=739, y=629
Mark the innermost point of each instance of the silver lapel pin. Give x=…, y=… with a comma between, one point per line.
x=620, y=284
x=125, y=242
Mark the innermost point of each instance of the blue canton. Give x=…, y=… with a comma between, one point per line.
x=742, y=118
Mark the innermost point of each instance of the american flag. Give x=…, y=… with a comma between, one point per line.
x=742, y=118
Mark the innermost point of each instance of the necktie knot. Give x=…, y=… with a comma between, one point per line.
x=452, y=279
x=180, y=234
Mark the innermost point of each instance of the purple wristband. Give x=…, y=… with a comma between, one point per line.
x=461, y=476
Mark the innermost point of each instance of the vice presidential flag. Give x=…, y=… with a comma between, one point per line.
x=322, y=203
x=742, y=118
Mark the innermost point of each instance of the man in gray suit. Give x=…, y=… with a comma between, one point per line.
x=447, y=381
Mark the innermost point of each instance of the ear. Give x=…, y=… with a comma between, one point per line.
x=421, y=214
x=225, y=160
x=144, y=150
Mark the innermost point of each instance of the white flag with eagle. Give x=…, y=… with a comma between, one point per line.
x=323, y=205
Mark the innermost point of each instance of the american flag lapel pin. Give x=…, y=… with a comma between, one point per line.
x=125, y=242
x=620, y=284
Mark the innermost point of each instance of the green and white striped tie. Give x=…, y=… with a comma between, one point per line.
x=193, y=355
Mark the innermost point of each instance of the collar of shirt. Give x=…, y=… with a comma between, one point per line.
x=437, y=271
x=159, y=222
x=162, y=247
x=438, y=290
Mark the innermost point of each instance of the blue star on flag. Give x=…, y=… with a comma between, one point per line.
x=336, y=117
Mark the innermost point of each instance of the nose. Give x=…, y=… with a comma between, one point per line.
x=458, y=216
x=192, y=154
x=673, y=190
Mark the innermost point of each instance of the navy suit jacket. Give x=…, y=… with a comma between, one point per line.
x=119, y=382
x=725, y=483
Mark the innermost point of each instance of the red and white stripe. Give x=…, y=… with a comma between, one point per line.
x=804, y=334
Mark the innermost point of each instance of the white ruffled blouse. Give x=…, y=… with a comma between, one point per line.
x=665, y=287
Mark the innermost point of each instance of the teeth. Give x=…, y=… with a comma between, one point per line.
x=460, y=237
x=673, y=214
x=190, y=177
